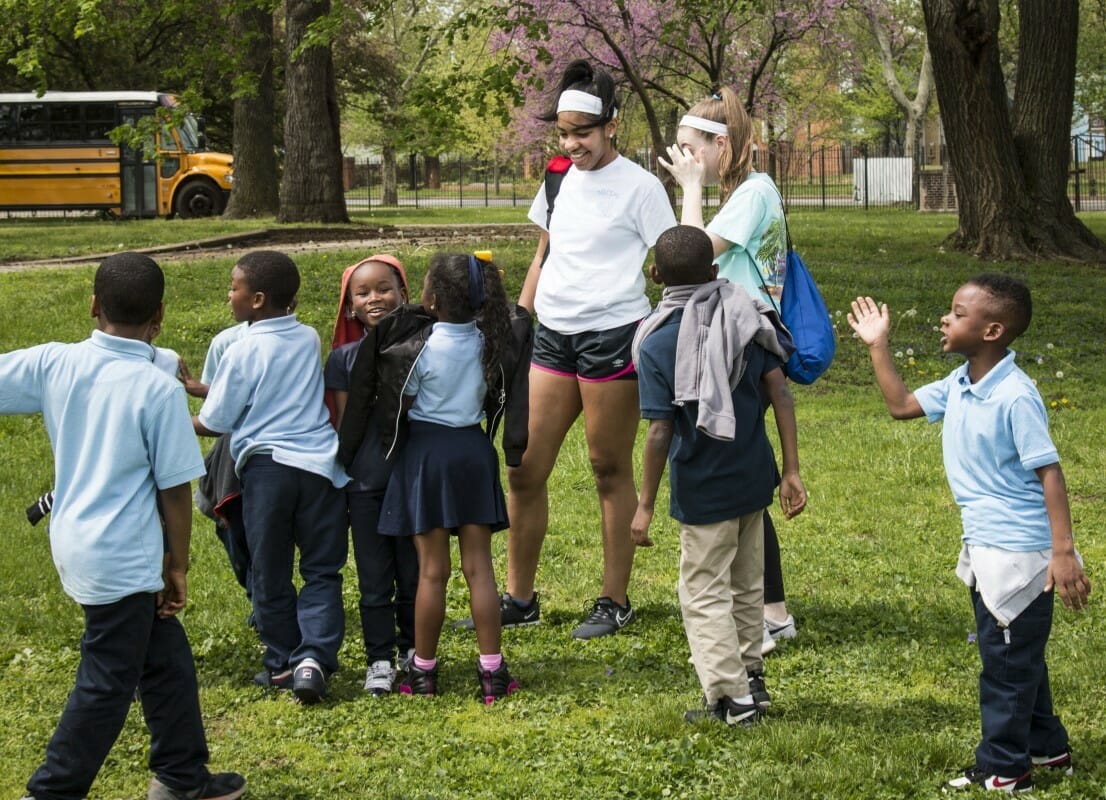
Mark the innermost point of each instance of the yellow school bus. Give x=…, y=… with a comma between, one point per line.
x=55, y=155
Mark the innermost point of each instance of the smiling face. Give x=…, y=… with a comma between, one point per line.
x=588, y=143
x=705, y=148
x=374, y=290
x=970, y=323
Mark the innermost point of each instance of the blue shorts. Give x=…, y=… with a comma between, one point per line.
x=593, y=356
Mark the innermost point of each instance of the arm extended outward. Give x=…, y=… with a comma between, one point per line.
x=872, y=324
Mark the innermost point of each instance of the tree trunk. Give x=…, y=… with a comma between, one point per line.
x=1003, y=212
x=311, y=187
x=256, y=181
x=389, y=191
x=433, y=172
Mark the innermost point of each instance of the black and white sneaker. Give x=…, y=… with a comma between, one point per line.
x=309, y=682
x=727, y=710
x=761, y=698
x=606, y=617
x=511, y=614
x=974, y=776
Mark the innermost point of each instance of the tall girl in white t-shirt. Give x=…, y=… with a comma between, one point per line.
x=589, y=297
x=714, y=145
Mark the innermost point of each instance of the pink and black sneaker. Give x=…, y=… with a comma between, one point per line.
x=419, y=681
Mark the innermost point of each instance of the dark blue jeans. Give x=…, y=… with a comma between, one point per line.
x=126, y=646
x=387, y=575
x=1015, y=700
x=232, y=533
x=285, y=509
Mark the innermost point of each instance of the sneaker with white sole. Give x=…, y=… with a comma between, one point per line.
x=220, y=786
x=379, y=678
x=781, y=630
x=1060, y=763
x=512, y=614
x=768, y=644
x=404, y=662
x=727, y=710
x=974, y=776
x=606, y=617
x=309, y=682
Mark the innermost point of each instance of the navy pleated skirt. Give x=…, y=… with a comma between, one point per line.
x=443, y=478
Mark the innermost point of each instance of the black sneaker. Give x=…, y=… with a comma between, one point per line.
x=728, y=711
x=495, y=684
x=974, y=776
x=761, y=698
x=274, y=680
x=309, y=682
x=511, y=614
x=221, y=786
x=606, y=617
x=420, y=681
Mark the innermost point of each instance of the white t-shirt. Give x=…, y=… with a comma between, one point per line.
x=604, y=222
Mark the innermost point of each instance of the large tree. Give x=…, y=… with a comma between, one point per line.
x=311, y=186
x=1010, y=159
x=256, y=179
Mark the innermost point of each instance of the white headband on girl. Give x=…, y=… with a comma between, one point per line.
x=575, y=100
x=706, y=125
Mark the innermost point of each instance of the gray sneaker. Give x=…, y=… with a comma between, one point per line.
x=220, y=786
x=606, y=617
x=511, y=614
x=379, y=678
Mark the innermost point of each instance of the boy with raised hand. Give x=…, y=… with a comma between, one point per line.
x=268, y=394
x=122, y=442
x=706, y=359
x=1018, y=547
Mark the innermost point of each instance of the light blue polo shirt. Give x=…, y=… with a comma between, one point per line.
x=268, y=393
x=219, y=344
x=448, y=377
x=120, y=430
x=995, y=435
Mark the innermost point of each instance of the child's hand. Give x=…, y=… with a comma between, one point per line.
x=792, y=495
x=684, y=168
x=191, y=385
x=871, y=322
x=1066, y=575
x=172, y=599
x=639, y=527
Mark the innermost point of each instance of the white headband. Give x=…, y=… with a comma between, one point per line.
x=706, y=125
x=575, y=100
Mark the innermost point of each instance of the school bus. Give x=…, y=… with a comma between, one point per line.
x=55, y=154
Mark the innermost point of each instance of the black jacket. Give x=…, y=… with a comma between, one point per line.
x=383, y=366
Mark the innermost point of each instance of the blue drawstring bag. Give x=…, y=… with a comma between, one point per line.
x=804, y=313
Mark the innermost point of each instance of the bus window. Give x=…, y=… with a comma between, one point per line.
x=65, y=122
x=99, y=118
x=7, y=122
x=34, y=123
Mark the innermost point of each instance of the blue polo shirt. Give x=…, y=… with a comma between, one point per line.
x=448, y=378
x=995, y=435
x=120, y=430
x=219, y=344
x=268, y=393
x=711, y=480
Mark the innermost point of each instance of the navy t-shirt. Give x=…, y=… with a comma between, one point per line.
x=711, y=480
x=369, y=471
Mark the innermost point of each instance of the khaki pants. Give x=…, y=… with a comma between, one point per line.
x=721, y=590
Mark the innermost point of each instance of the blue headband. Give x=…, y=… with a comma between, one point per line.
x=477, y=295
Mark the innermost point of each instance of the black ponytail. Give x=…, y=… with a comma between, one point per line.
x=582, y=76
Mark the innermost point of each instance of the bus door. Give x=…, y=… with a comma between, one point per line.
x=138, y=174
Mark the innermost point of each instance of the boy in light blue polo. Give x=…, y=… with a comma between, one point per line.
x=268, y=394
x=122, y=442
x=1018, y=547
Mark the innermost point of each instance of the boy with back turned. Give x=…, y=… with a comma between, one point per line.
x=123, y=443
x=1017, y=538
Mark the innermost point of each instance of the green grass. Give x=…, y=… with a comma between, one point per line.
x=875, y=699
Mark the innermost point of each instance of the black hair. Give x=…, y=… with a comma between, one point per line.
x=129, y=288
x=447, y=278
x=583, y=77
x=1010, y=300
x=684, y=255
x=272, y=273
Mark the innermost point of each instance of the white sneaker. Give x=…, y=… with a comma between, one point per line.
x=403, y=664
x=769, y=644
x=781, y=630
x=379, y=678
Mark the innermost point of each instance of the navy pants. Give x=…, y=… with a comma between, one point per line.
x=126, y=646
x=232, y=533
x=284, y=509
x=1015, y=700
x=387, y=576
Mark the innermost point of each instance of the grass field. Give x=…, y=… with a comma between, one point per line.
x=875, y=699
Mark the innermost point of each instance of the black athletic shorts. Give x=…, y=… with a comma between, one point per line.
x=594, y=356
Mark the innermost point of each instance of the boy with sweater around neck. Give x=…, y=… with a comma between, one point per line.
x=707, y=358
x=1017, y=548
x=123, y=452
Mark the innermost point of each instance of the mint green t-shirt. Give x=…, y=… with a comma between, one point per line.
x=752, y=221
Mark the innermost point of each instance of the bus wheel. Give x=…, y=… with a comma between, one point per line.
x=198, y=199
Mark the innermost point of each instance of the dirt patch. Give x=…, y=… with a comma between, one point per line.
x=291, y=240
